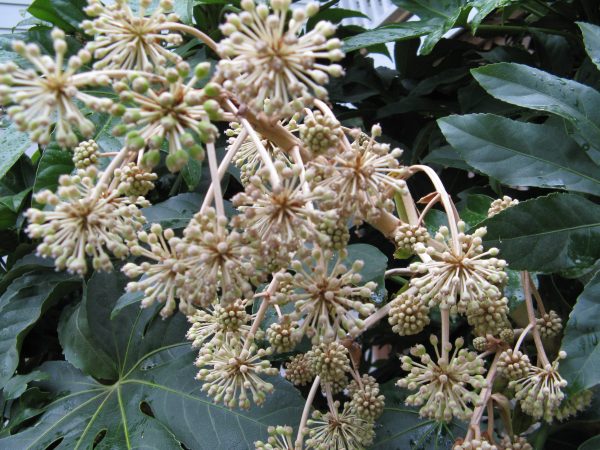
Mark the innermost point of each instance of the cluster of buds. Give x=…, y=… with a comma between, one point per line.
x=366, y=401
x=134, y=181
x=280, y=438
x=86, y=154
x=331, y=362
x=284, y=335
x=500, y=205
x=407, y=236
x=320, y=134
x=549, y=324
x=408, y=315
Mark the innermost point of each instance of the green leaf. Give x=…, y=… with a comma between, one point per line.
x=401, y=427
x=128, y=298
x=547, y=234
x=375, y=261
x=535, y=89
x=21, y=306
x=447, y=156
x=65, y=14
x=13, y=144
x=9, y=208
x=27, y=263
x=581, y=340
x=591, y=444
x=485, y=8
x=192, y=173
x=517, y=153
x=591, y=39
x=388, y=33
x=154, y=401
x=17, y=385
x=474, y=209
x=175, y=212
x=53, y=163
x=334, y=15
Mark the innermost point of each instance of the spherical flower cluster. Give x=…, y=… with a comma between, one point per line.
x=280, y=215
x=500, y=205
x=365, y=399
x=86, y=154
x=320, y=134
x=408, y=315
x=123, y=40
x=219, y=323
x=134, y=181
x=160, y=280
x=47, y=92
x=266, y=58
x=280, y=438
x=364, y=177
x=408, y=235
x=337, y=233
x=338, y=431
x=513, y=364
x=325, y=296
x=514, y=443
x=457, y=276
x=443, y=385
x=549, y=325
x=218, y=260
x=80, y=225
x=299, y=370
x=488, y=316
x=175, y=113
x=574, y=404
x=283, y=336
x=539, y=392
x=235, y=373
x=331, y=362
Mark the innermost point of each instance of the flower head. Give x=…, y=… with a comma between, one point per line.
x=326, y=296
x=299, y=370
x=280, y=438
x=331, y=362
x=218, y=261
x=365, y=399
x=443, y=385
x=235, y=373
x=408, y=315
x=160, y=280
x=549, y=324
x=81, y=225
x=265, y=57
x=283, y=336
x=452, y=278
x=124, y=40
x=47, y=92
x=85, y=154
x=363, y=177
x=339, y=431
x=539, y=391
x=501, y=204
x=134, y=180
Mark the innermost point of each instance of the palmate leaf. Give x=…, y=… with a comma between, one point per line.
x=148, y=397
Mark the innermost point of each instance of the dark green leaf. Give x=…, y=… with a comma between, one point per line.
x=175, y=212
x=446, y=156
x=547, y=234
x=591, y=39
x=532, y=88
x=154, y=402
x=128, y=298
x=28, y=263
x=54, y=163
x=375, y=261
x=475, y=209
x=388, y=33
x=192, y=173
x=334, y=15
x=21, y=306
x=65, y=14
x=591, y=444
x=13, y=144
x=9, y=208
x=581, y=341
x=16, y=386
x=518, y=153
x=485, y=8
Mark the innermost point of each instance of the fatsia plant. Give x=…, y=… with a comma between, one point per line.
x=252, y=311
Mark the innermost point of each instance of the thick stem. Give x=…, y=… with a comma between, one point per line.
x=306, y=412
x=445, y=313
x=108, y=173
x=483, y=397
x=386, y=223
x=532, y=320
x=537, y=296
x=522, y=336
x=409, y=207
x=215, y=180
x=376, y=316
x=233, y=149
x=262, y=152
x=262, y=309
x=174, y=26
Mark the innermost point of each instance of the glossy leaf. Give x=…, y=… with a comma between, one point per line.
x=581, y=340
x=547, y=234
x=533, y=88
x=591, y=444
x=522, y=154
x=388, y=33
x=154, y=400
x=21, y=306
x=66, y=14
x=591, y=39
x=13, y=144
x=485, y=8
x=175, y=212
x=53, y=163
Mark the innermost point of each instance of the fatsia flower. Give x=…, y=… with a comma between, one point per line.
x=326, y=298
x=124, y=40
x=265, y=56
x=79, y=225
x=219, y=260
x=443, y=384
x=280, y=438
x=160, y=281
x=235, y=373
x=46, y=93
x=363, y=177
x=455, y=277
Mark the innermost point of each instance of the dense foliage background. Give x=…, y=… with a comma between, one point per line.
x=510, y=105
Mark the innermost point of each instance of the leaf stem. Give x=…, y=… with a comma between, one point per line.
x=215, y=179
x=306, y=411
